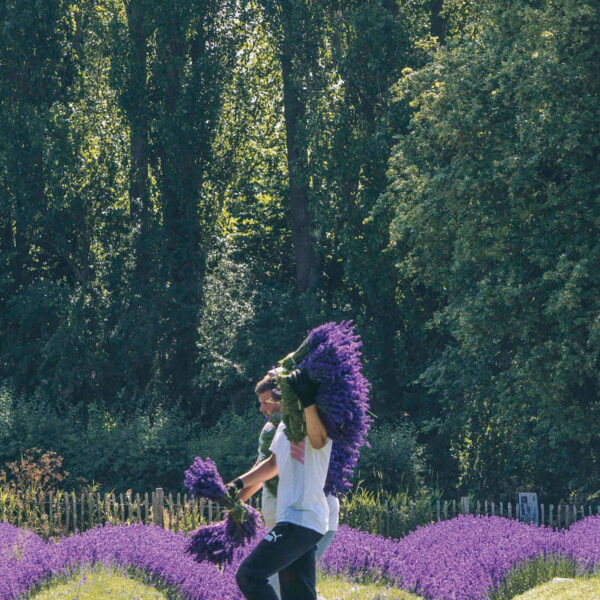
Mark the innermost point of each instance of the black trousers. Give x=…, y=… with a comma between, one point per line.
x=289, y=550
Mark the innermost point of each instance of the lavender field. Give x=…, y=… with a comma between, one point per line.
x=467, y=558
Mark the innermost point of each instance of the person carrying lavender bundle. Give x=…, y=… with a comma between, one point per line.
x=302, y=515
x=269, y=405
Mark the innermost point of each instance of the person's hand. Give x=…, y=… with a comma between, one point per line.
x=304, y=387
x=234, y=486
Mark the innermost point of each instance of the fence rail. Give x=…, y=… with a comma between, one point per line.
x=60, y=512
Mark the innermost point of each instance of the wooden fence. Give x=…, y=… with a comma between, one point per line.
x=561, y=515
x=59, y=513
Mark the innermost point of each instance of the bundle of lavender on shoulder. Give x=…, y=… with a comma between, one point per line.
x=330, y=357
x=217, y=542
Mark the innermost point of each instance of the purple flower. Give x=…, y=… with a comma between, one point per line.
x=218, y=542
x=461, y=559
x=343, y=397
x=203, y=480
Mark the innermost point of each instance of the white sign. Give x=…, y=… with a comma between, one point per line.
x=528, y=507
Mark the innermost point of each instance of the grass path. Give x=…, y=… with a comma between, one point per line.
x=337, y=588
x=99, y=583
x=570, y=589
x=105, y=583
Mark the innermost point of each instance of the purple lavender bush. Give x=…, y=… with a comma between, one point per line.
x=466, y=558
x=26, y=560
x=22, y=561
x=581, y=542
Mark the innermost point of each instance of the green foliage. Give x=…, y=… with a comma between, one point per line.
x=389, y=514
x=148, y=271
x=531, y=574
x=138, y=453
x=495, y=193
x=394, y=462
x=232, y=442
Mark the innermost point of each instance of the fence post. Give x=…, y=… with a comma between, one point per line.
x=157, y=507
x=464, y=505
x=542, y=515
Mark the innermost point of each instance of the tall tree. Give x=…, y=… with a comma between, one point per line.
x=297, y=31
x=496, y=197
x=195, y=46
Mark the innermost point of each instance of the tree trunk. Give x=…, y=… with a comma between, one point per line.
x=438, y=23
x=294, y=106
x=139, y=194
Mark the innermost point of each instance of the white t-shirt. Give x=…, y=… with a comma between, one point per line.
x=302, y=472
x=334, y=512
x=269, y=502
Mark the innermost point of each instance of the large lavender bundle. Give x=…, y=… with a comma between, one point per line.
x=217, y=542
x=203, y=480
x=330, y=356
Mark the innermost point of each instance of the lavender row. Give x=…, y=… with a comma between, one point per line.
x=461, y=559
x=26, y=560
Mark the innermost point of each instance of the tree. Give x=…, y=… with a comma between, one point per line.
x=495, y=189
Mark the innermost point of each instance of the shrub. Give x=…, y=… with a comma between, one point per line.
x=394, y=462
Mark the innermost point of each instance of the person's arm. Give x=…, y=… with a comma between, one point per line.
x=264, y=471
x=248, y=492
x=306, y=390
x=317, y=434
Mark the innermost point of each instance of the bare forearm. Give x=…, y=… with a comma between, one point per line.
x=249, y=491
x=317, y=434
x=264, y=471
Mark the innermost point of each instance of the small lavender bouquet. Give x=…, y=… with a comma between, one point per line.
x=330, y=356
x=217, y=542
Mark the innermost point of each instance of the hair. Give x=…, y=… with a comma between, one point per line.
x=268, y=382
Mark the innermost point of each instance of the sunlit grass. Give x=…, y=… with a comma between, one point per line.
x=109, y=583
x=98, y=583
x=576, y=589
x=338, y=588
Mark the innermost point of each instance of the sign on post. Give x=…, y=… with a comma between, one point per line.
x=528, y=505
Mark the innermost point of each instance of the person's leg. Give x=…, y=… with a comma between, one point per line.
x=280, y=548
x=274, y=579
x=274, y=583
x=324, y=543
x=299, y=580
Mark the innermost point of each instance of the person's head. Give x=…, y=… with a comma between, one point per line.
x=268, y=396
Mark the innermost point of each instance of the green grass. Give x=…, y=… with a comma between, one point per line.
x=98, y=583
x=529, y=575
x=106, y=583
x=338, y=588
x=110, y=583
x=577, y=589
